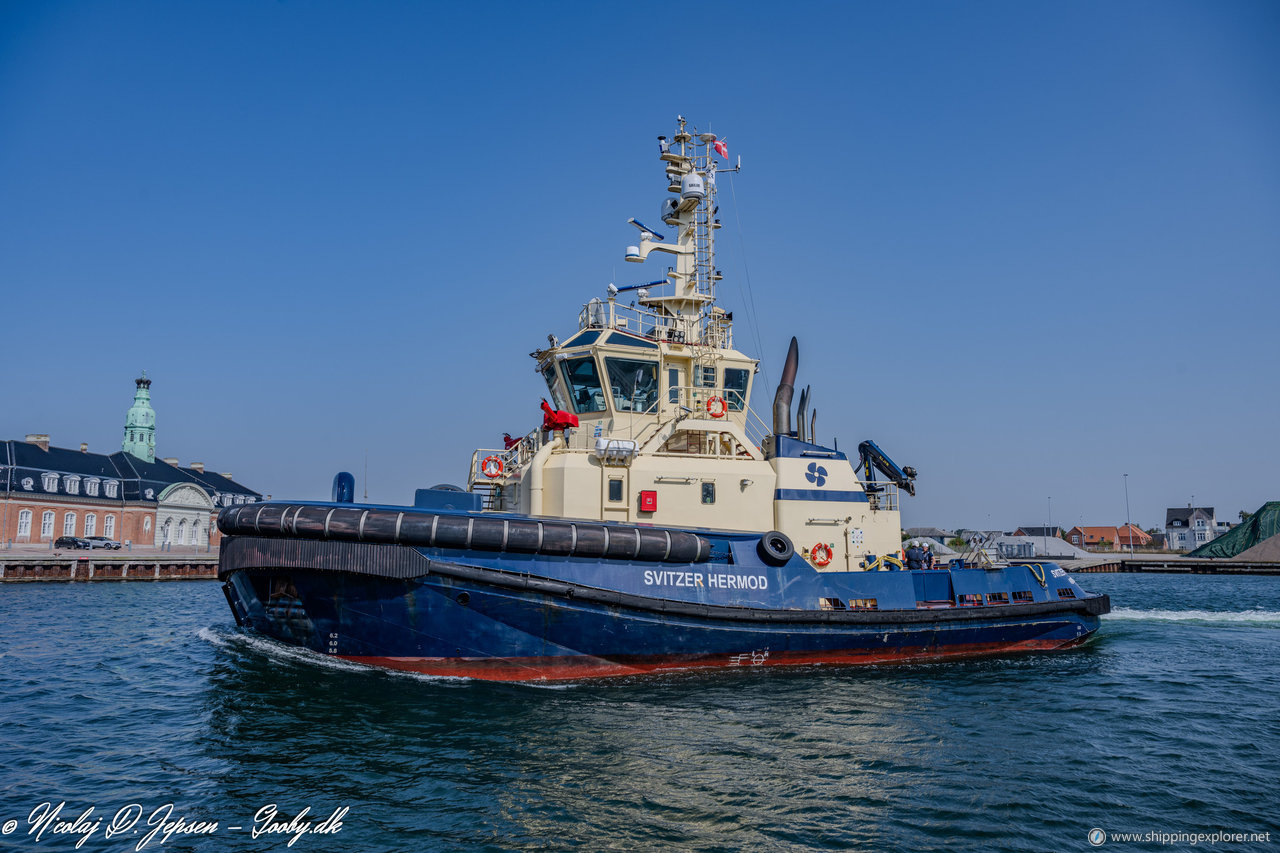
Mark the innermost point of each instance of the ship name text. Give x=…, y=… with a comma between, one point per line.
x=714, y=580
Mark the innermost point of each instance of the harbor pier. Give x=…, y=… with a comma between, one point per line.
x=1172, y=565
x=21, y=568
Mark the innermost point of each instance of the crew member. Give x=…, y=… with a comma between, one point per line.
x=915, y=557
x=928, y=556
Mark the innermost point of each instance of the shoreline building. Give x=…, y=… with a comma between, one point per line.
x=1187, y=528
x=1108, y=538
x=47, y=491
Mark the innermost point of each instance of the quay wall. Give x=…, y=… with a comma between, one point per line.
x=1176, y=566
x=159, y=567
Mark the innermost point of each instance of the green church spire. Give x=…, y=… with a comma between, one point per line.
x=140, y=423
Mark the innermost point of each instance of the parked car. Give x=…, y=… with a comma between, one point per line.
x=103, y=542
x=74, y=542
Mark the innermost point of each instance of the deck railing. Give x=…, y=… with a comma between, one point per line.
x=707, y=330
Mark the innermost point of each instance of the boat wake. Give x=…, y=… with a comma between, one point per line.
x=1260, y=618
x=280, y=652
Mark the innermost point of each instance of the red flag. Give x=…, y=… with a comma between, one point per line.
x=722, y=148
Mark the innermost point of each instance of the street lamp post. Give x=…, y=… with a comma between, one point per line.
x=1128, y=525
x=1048, y=526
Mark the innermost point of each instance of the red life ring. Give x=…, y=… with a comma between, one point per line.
x=820, y=554
x=716, y=407
x=491, y=467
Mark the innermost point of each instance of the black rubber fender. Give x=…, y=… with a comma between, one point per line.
x=775, y=548
x=346, y=523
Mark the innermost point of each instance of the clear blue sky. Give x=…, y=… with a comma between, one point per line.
x=1027, y=247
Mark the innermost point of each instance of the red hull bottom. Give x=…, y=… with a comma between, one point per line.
x=585, y=666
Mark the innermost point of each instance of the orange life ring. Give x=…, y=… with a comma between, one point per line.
x=491, y=467
x=716, y=407
x=820, y=554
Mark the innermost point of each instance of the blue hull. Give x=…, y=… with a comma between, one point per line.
x=508, y=616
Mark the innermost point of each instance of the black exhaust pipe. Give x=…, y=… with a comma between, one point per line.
x=786, y=387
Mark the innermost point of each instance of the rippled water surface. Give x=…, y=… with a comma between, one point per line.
x=145, y=693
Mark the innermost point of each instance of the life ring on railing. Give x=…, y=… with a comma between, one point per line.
x=716, y=407
x=491, y=467
x=820, y=554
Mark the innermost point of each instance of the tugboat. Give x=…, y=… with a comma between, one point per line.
x=651, y=522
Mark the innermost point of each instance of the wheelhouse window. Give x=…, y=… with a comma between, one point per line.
x=633, y=384
x=735, y=387
x=583, y=380
x=553, y=386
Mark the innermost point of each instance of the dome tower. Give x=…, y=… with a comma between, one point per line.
x=140, y=423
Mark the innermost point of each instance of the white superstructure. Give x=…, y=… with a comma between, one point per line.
x=666, y=434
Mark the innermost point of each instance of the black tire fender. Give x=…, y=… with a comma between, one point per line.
x=775, y=548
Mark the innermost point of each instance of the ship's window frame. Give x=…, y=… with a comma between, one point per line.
x=1022, y=596
x=1066, y=592
x=673, y=385
x=583, y=338
x=709, y=492
x=552, y=377
x=586, y=396
x=623, y=339
x=615, y=490
x=735, y=393
x=628, y=392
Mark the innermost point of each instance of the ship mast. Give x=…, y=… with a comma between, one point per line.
x=691, y=175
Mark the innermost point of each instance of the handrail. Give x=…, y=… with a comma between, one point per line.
x=608, y=314
x=881, y=496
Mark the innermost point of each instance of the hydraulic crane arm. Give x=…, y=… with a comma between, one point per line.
x=874, y=459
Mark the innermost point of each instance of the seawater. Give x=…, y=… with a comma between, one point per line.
x=145, y=694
